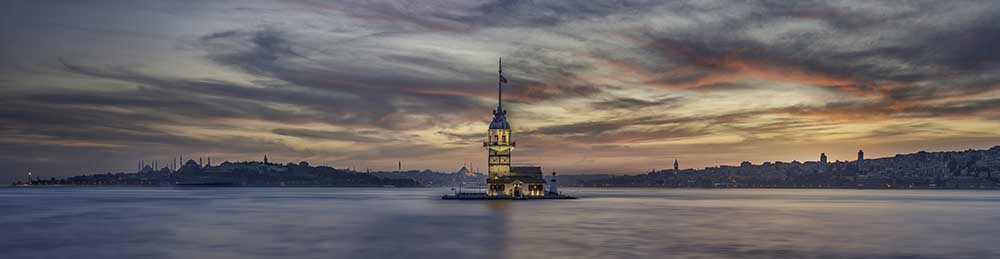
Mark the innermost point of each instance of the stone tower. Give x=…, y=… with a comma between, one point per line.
x=504, y=179
x=498, y=143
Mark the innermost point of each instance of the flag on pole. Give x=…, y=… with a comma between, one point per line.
x=502, y=79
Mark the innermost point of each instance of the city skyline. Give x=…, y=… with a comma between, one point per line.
x=593, y=87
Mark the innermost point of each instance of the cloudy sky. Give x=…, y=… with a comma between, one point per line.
x=602, y=86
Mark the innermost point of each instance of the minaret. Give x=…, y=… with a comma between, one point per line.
x=676, y=166
x=861, y=160
x=822, y=163
x=265, y=159
x=400, y=166
x=498, y=143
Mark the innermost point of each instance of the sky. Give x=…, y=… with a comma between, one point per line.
x=595, y=86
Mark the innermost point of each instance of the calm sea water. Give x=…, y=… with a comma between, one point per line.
x=414, y=223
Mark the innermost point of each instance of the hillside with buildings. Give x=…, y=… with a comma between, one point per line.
x=969, y=169
x=247, y=173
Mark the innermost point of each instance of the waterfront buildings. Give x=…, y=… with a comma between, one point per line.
x=969, y=169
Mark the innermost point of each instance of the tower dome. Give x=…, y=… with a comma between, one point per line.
x=499, y=121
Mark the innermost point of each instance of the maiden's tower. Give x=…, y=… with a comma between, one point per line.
x=505, y=181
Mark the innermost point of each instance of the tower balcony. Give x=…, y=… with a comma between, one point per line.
x=488, y=143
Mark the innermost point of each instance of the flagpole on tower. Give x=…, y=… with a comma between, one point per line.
x=501, y=80
x=499, y=85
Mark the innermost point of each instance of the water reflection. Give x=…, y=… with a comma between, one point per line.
x=413, y=223
x=497, y=228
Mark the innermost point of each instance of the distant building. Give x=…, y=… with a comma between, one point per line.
x=504, y=180
x=822, y=158
x=553, y=190
x=861, y=160
x=676, y=167
x=465, y=171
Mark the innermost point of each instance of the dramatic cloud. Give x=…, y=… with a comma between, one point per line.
x=622, y=86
